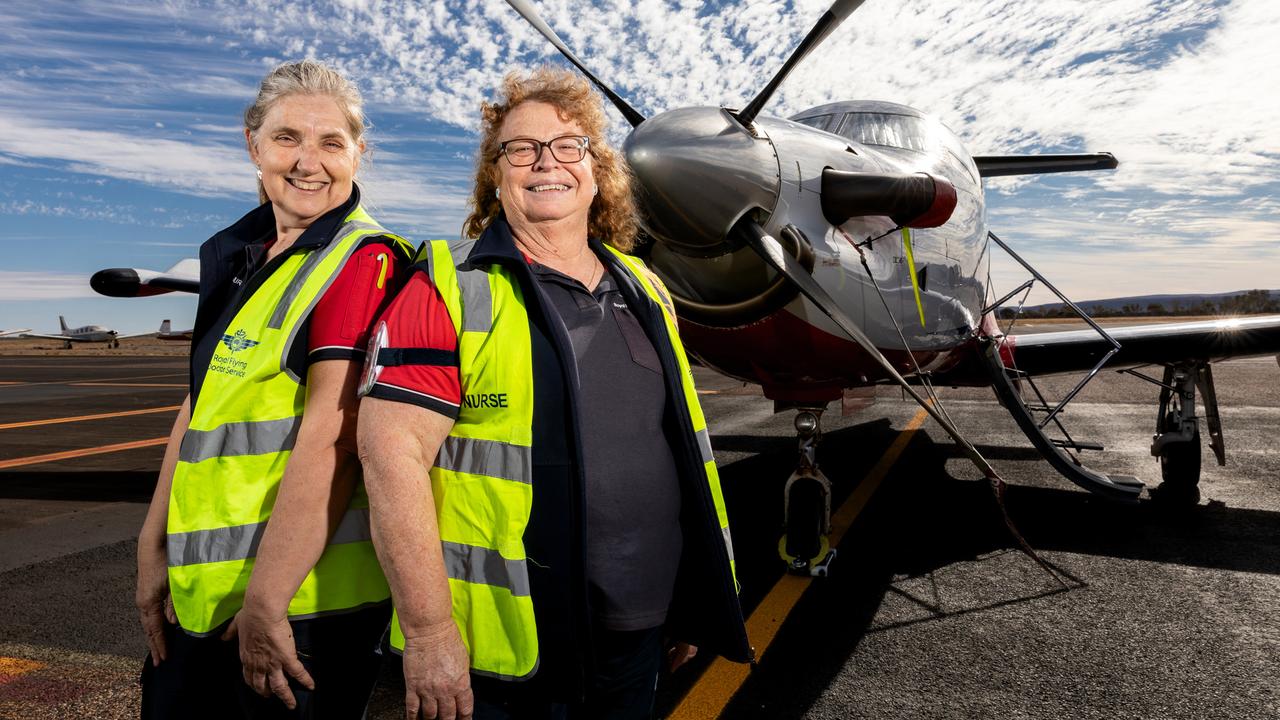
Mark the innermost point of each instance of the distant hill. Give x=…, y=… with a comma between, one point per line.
x=1240, y=302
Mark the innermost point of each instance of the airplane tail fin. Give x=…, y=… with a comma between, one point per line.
x=63, y=322
x=164, y=327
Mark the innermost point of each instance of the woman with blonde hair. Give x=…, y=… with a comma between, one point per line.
x=255, y=563
x=544, y=500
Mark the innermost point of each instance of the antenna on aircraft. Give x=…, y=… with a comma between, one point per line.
x=535, y=20
x=829, y=21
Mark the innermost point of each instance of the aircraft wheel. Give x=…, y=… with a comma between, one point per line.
x=1180, y=471
x=806, y=509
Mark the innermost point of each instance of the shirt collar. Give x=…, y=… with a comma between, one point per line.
x=497, y=243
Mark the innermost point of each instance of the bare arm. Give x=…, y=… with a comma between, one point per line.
x=318, y=483
x=314, y=494
x=152, y=594
x=398, y=445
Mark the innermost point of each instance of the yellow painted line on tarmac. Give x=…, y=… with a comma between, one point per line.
x=68, y=454
x=721, y=681
x=119, y=384
x=13, y=667
x=81, y=418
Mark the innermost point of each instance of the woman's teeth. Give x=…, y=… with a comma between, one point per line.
x=304, y=185
x=544, y=188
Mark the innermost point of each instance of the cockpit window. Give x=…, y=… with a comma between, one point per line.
x=899, y=131
x=821, y=122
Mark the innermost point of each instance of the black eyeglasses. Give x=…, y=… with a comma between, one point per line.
x=523, y=152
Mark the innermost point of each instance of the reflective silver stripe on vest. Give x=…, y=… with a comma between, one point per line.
x=704, y=445
x=242, y=438
x=477, y=297
x=483, y=566
x=486, y=457
x=240, y=542
x=343, y=232
x=728, y=541
x=313, y=259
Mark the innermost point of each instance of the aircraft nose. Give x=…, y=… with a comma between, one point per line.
x=700, y=171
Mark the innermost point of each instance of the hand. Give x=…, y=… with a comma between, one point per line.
x=155, y=606
x=437, y=679
x=679, y=654
x=267, y=653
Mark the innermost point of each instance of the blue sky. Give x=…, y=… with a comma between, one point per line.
x=121, y=141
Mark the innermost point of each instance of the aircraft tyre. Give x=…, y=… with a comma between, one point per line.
x=806, y=510
x=1180, y=472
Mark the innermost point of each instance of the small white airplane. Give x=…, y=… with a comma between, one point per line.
x=166, y=332
x=86, y=333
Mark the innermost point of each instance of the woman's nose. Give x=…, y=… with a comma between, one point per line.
x=308, y=158
x=546, y=160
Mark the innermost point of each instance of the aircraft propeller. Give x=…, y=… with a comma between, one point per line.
x=826, y=24
x=528, y=13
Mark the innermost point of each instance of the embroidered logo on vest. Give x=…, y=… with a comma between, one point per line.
x=239, y=341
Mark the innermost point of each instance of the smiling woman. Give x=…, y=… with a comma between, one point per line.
x=539, y=470
x=258, y=529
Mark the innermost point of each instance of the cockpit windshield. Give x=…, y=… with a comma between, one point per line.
x=899, y=131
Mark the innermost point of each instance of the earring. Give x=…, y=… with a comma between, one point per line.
x=595, y=189
x=497, y=193
x=259, y=174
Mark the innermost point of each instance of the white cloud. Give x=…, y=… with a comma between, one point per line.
x=191, y=168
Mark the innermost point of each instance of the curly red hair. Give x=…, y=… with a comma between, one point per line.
x=613, y=211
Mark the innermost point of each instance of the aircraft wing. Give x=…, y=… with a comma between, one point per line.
x=1208, y=341
x=1000, y=165
x=137, y=282
x=38, y=336
x=14, y=332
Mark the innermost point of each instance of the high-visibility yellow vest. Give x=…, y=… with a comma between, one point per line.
x=234, y=453
x=482, y=479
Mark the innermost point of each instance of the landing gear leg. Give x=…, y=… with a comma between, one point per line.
x=1177, y=439
x=807, y=505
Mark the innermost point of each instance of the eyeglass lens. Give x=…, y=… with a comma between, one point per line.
x=566, y=149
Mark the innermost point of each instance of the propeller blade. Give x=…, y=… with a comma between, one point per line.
x=769, y=249
x=829, y=21
x=528, y=13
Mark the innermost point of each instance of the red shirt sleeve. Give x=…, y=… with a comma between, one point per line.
x=343, y=318
x=418, y=318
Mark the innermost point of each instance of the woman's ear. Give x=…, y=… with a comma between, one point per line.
x=248, y=143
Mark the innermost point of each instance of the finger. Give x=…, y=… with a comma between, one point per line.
x=447, y=709
x=259, y=684
x=298, y=671
x=280, y=687
x=169, y=613
x=466, y=704
x=233, y=629
x=155, y=637
x=155, y=645
x=428, y=709
x=411, y=705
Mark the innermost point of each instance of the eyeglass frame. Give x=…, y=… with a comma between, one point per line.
x=542, y=146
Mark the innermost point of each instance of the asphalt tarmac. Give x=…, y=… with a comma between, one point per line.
x=930, y=611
